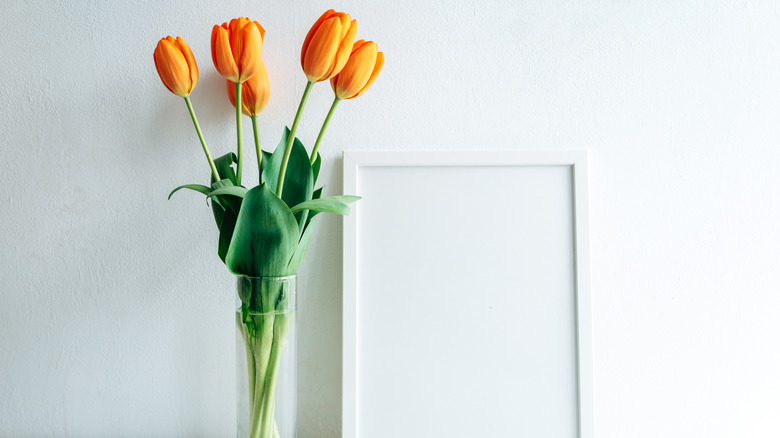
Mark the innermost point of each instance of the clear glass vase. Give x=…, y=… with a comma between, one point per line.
x=266, y=359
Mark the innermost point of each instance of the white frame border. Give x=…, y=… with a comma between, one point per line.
x=577, y=160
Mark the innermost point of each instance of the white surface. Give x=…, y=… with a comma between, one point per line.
x=115, y=312
x=461, y=295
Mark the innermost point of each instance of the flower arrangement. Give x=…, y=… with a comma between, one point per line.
x=264, y=231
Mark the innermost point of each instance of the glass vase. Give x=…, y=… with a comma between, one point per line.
x=266, y=359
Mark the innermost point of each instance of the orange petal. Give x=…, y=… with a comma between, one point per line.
x=234, y=33
x=261, y=30
x=223, y=57
x=333, y=84
x=247, y=98
x=345, y=22
x=380, y=62
x=157, y=67
x=313, y=30
x=357, y=45
x=252, y=47
x=357, y=71
x=231, y=92
x=258, y=91
x=191, y=64
x=345, y=48
x=214, y=31
x=172, y=67
x=321, y=50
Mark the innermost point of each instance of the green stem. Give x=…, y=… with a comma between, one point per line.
x=291, y=139
x=202, y=140
x=238, y=134
x=250, y=359
x=258, y=148
x=263, y=348
x=273, y=375
x=324, y=127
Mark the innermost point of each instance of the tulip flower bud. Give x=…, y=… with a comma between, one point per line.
x=364, y=64
x=176, y=66
x=327, y=45
x=236, y=48
x=254, y=93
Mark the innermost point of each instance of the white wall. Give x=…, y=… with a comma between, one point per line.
x=115, y=314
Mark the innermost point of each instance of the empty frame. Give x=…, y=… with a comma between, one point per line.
x=466, y=295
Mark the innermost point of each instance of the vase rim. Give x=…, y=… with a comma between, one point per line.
x=272, y=277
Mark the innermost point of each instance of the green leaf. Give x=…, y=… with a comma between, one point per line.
x=308, y=215
x=197, y=187
x=270, y=174
x=328, y=204
x=317, y=193
x=231, y=202
x=315, y=167
x=226, y=229
x=219, y=212
x=229, y=190
x=265, y=236
x=303, y=247
x=266, y=157
x=225, y=210
x=298, y=180
x=224, y=165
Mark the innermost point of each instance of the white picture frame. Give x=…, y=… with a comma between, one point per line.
x=417, y=199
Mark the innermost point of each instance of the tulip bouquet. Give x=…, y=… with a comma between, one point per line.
x=264, y=231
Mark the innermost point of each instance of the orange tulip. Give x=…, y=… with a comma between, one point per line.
x=176, y=65
x=361, y=70
x=236, y=48
x=254, y=93
x=327, y=45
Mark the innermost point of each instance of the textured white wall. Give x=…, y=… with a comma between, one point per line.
x=116, y=312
